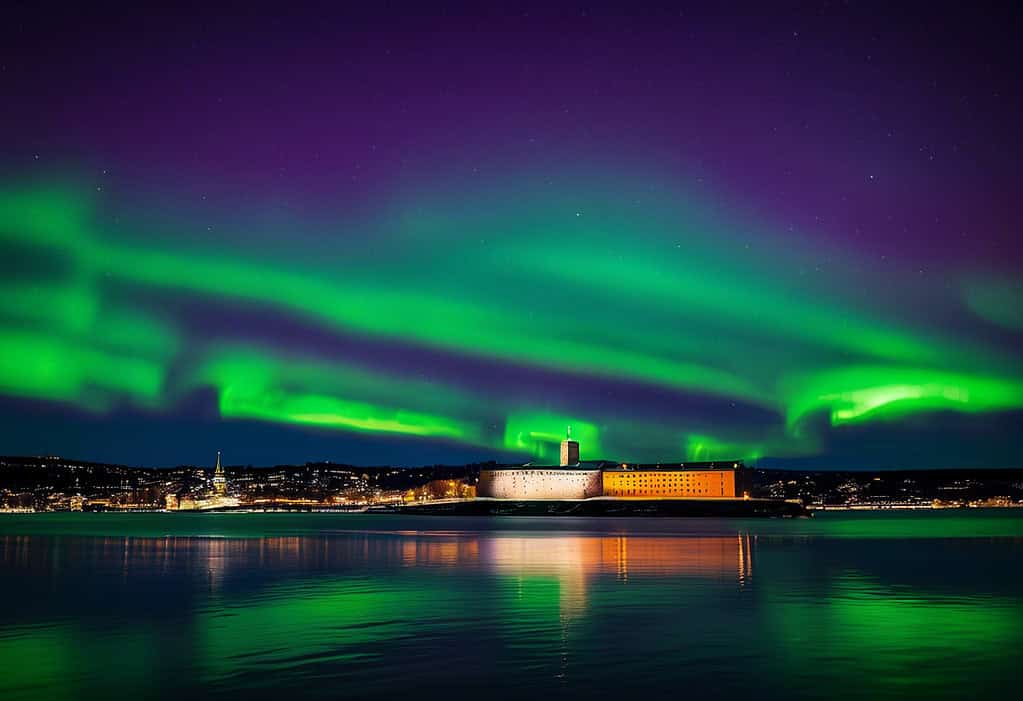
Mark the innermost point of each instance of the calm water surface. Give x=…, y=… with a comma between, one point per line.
x=845, y=605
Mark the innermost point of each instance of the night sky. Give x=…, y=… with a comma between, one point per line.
x=783, y=233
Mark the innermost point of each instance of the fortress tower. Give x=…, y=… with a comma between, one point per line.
x=569, y=450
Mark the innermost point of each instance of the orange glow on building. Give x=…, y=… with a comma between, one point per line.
x=646, y=482
x=440, y=489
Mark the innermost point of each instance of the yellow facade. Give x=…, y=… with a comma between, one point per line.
x=655, y=484
x=441, y=489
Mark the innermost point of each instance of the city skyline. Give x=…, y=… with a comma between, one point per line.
x=785, y=237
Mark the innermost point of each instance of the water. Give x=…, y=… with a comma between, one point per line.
x=845, y=605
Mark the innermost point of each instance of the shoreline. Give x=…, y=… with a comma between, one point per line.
x=604, y=506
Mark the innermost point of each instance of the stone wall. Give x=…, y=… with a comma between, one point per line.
x=539, y=483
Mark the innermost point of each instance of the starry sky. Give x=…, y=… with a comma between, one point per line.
x=412, y=234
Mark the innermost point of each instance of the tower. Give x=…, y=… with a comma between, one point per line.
x=219, y=479
x=569, y=450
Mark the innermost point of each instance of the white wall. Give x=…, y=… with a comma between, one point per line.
x=539, y=483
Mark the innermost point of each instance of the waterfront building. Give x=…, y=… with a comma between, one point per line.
x=573, y=479
x=540, y=482
x=706, y=480
x=440, y=489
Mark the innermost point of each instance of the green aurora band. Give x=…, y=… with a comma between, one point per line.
x=584, y=286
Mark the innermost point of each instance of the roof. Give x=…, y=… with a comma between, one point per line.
x=682, y=466
x=581, y=465
x=610, y=466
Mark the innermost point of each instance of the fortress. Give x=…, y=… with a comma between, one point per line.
x=573, y=479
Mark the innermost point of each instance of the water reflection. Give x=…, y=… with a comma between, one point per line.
x=437, y=612
x=580, y=557
x=575, y=557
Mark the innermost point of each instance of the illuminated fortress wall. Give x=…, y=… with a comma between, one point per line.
x=539, y=483
x=626, y=482
x=705, y=480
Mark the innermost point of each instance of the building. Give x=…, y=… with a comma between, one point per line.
x=569, y=450
x=539, y=482
x=573, y=479
x=219, y=479
x=440, y=489
x=705, y=480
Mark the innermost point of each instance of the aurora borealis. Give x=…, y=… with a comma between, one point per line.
x=778, y=235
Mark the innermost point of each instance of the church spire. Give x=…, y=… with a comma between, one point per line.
x=219, y=479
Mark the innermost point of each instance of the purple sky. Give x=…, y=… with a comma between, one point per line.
x=880, y=143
